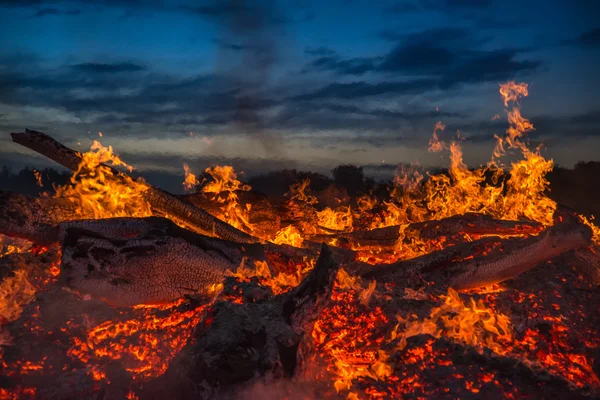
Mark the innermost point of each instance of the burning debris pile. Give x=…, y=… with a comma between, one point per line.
x=469, y=284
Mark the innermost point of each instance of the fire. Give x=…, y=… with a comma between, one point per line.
x=340, y=219
x=289, y=235
x=360, y=352
x=223, y=188
x=512, y=91
x=15, y=292
x=190, y=179
x=97, y=193
x=472, y=323
x=38, y=178
x=279, y=283
x=434, y=144
x=298, y=192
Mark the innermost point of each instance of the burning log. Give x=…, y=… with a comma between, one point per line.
x=129, y=261
x=122, y=260
x=470, y=224
x=490, y=260
x=298, y=212
x=163, y=203
x=263, y=217
x=132, y=271
x=33, y=218
x=588, y=263
x=240, y=344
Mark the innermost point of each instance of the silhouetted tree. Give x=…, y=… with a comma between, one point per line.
x=349, y=177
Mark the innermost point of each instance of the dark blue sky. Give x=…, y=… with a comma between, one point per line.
x=306, y=84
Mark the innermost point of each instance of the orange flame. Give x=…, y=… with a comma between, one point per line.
x=434, y=144
x=190, y=179
x=98, y=193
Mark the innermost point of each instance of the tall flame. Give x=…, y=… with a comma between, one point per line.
x=98, y=193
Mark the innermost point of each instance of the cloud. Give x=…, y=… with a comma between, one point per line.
x=589, y=38
x=234, y=46
x=237, y=12
x=402, y=7
x=42, y=12
x=447, y=6
x=439, y=58
x=335, y=63
x=359, y=89
x=319, y=51
x=97, y=68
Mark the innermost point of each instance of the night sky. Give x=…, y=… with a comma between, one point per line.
x=301, y=84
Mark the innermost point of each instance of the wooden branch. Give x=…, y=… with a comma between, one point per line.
x=401, y=270
x=588, y=263
x=263, y=218
x=240, y=344
x=474, y=224
x=486, y=261
x=161, y=202
x=129, y=261
x=471, y=224
x=33, y=218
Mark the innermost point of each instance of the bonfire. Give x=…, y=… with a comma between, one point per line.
x=471, y=283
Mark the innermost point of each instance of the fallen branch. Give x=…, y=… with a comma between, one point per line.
x=489, y=260
x=263, y=218
x=33, y=218
x=588, y=263
x=470, y=224
x=162, y=202
x=130, y=261
x=240, y=344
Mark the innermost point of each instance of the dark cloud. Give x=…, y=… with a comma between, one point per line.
x=42, y=12
x=335, y=63
x=363, y=89
x=589, y=39
x=108, y=68
x=402, y=7
x=20, y=3
x=487, y=66
x=319, y=51
x=232, y=11
x=322, y=115
x=234, y=46
x=449, y=57
x=438, y=6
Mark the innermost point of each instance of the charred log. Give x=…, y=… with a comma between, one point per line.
x=238, y=344
x=128, y=261
x=263, y=217
x=470, y=224
x=489, y=260
x=587, y=262
x=33, y=218
x=163, y=203
x=298, y=213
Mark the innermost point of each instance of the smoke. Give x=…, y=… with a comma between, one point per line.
x=250, y=46
x=283, y=389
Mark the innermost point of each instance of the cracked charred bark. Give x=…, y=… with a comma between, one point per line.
x=33, y=218
x=129, y=261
